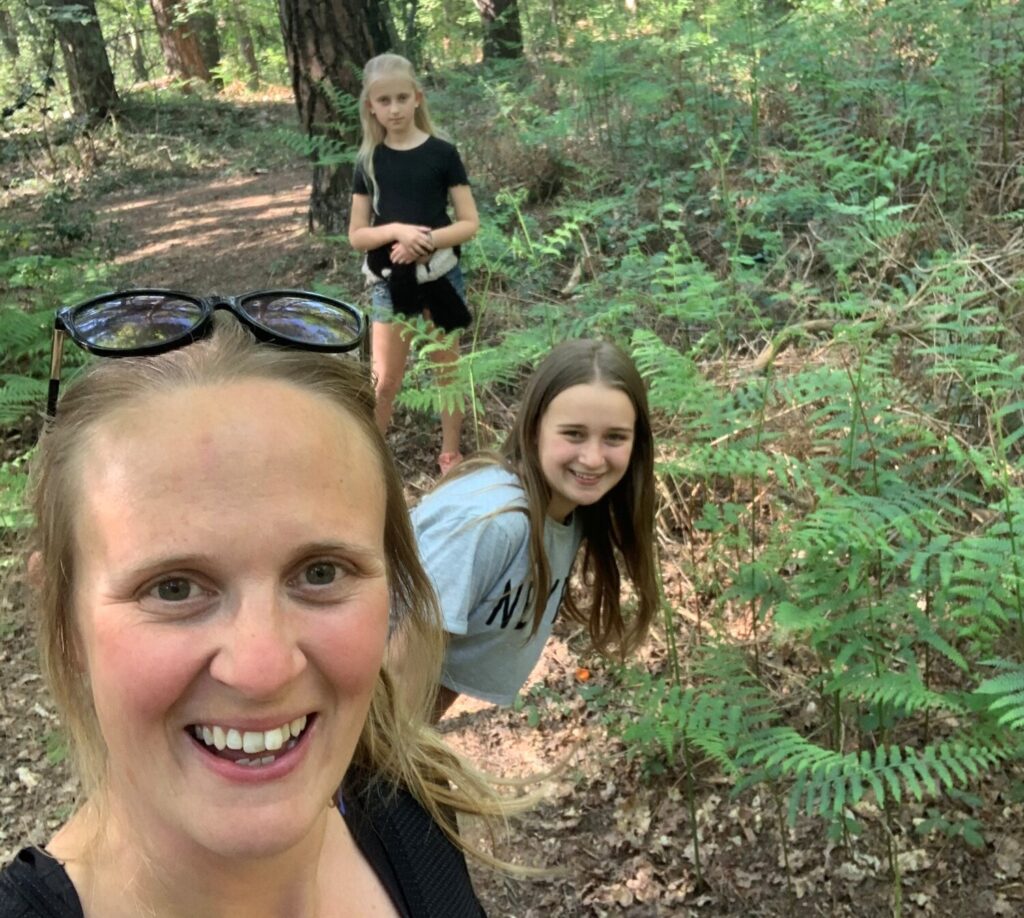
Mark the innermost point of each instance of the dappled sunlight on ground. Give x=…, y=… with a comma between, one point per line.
x=226, y=236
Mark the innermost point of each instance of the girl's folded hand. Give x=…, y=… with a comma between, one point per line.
x=416, y=239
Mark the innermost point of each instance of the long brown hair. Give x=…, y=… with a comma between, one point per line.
x=620, y=525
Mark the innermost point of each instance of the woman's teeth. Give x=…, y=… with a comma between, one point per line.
x=251, y=741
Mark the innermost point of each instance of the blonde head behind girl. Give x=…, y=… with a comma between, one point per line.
x=386, y=67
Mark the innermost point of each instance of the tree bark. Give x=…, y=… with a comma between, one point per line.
x=503, y=32
x=179, y=41
x=410, y=32
x=9, y=34
x=138, y=57
x=553, y=13
x=90, y=79
x=205, y=25
x=136, y=27
x=327, y=43
x=246, y=47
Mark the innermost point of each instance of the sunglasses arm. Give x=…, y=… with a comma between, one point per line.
x=56, y=353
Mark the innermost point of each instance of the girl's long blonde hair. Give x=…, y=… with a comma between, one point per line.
x=396, y=747
x=381, y=67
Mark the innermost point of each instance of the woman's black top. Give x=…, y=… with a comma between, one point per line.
x=423, y=872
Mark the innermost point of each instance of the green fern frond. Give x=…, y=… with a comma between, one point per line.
x=904, y=691
x=1004, y=694
x=20, y=396
x=322, y=149
x=674, y=379
x=12, y=488
x=23, y=332
x=825, y=780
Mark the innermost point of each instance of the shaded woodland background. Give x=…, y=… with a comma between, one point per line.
x=804, y=220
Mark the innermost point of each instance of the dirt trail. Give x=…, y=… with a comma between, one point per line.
x=225, y=235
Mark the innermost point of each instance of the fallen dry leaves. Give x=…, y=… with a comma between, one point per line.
x=625, y=843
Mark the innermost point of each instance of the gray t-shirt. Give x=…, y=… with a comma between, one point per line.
x=473, y=536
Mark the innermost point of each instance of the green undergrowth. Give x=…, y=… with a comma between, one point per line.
x=156, y=138
x=804, y=229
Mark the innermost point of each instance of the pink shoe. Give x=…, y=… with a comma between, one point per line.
x=447, y=461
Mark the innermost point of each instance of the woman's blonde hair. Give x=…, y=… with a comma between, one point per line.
x=382, y=67
x=395, y=747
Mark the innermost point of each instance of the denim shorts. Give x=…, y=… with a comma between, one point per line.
x=383, y=310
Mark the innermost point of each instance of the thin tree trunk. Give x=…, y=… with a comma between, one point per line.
x=136, y=41
x=138, y=57
x=327, y=43
x=243, y=34
x=205, y=25
x=9, y=34
x=410, y=32
x=555, y=24
x=503, y=32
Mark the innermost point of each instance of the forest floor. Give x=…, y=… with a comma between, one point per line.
x=619, y=839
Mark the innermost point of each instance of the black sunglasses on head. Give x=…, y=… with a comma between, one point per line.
x=133, y=323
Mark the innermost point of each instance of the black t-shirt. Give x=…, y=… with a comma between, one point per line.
x=424, y=874
x=413, y=183
x=34, y=885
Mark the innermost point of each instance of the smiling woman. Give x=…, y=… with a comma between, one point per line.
x=222, y=549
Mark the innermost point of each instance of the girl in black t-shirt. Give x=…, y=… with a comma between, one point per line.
x=405, y=178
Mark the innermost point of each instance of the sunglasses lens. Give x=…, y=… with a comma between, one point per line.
x=136, y=320
x=303, y=318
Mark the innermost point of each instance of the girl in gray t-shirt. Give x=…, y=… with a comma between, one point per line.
x=499, y=536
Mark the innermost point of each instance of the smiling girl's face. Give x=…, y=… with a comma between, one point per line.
x=584, y=445
x=230, y=590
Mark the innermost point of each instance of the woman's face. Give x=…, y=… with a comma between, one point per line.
x=230, y=591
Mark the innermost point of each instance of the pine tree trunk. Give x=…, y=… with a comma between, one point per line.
x=205, y=25
x=9, y=34
x=179, y=41
x=135, y=10
x=90, y=79
x=410, y=32
x=329, y=42
x=503, y=32
x=553, y=13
